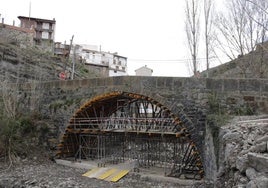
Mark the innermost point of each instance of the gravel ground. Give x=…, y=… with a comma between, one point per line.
x=49, y=174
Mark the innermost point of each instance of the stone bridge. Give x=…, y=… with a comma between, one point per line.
x=184, y=103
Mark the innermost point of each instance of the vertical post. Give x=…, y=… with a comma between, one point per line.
x=30, y=6
x=80, y=147
x=73, y=61
x=165, y=163
x=71, y=44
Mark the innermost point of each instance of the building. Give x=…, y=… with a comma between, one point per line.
x=144, y=71
x=44, y=31
x=62, y=50
x=111, y=64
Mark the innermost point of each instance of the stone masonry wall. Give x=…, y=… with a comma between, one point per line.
x=188, y=98
x=16, y=35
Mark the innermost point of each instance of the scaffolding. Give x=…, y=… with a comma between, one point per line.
x=125, y=126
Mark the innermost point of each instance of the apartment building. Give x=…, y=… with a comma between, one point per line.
x=112, y=64
x=44, y=31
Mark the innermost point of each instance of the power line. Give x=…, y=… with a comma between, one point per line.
x=170, y=60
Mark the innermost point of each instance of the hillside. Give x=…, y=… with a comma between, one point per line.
x=25, y=63
x=251, y=65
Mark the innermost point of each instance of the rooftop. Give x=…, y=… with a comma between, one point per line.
x=37, y=19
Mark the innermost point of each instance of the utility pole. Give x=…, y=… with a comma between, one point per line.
x=73, y=59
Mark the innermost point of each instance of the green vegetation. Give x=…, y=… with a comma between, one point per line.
x=18, y=136
x=216, y=117
x=246, y=110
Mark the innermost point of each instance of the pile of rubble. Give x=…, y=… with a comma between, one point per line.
x=243, y=153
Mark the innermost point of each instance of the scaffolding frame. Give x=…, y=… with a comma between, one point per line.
x=125, y=126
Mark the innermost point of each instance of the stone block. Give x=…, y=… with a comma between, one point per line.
x=214, y=84
x=230, y=85
x=242, y=163
x=249, y=85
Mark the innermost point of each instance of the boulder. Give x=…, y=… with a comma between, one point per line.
x=262, y=182
x=242, y=163
x=251, y=173
x=251, y=184
x=259, y=148
x=258, y=161
x=262, y=139
x=232, y=137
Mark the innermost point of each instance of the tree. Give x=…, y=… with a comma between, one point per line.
x=192, y=29
x=208, y=23
x=241, y=27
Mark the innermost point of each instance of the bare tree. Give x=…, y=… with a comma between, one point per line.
x=192, y=29
x=239, y=27
x=208, y=23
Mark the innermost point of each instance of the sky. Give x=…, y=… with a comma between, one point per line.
x=147, y=32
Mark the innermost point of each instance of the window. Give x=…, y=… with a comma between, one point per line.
x=44, y=35
x=45, y=25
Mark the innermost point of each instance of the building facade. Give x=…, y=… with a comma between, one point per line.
x=44, y=31
x=62, y=50
x=114, y=64
x=144, y=71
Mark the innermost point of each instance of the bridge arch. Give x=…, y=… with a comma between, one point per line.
x=116, y=126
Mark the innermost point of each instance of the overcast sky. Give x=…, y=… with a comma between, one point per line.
x=147, y=32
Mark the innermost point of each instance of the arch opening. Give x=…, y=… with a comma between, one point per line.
x=120, y=126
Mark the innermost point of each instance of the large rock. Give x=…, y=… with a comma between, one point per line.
x=262, y=139
x=251, y=184
x=242, y=163
x=260, y=182
x=251, y=173
x=232, y=137
x=258, y=161
x=259, y=148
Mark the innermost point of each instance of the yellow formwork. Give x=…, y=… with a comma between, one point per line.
x=119, y=175
x=107, y=174
x=87, y=174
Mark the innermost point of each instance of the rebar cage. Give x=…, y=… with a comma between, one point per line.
x=121, y=126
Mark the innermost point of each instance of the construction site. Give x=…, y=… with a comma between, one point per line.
x=121, y=128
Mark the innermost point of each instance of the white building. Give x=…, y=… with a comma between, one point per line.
x=144, y=71
x=91, y=56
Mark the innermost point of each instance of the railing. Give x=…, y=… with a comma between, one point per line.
x=117, y=124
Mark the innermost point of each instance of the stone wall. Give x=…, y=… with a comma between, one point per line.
x=16, y=35
x=191, y=99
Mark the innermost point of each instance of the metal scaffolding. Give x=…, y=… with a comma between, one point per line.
x=124, y=126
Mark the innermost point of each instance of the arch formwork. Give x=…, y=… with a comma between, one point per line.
x=119, y=126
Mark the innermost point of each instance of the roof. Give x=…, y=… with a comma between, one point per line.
x=144, y=67
x=37, y=19
x=25, y=30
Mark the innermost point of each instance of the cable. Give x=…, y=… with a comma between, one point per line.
x=170, y=60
